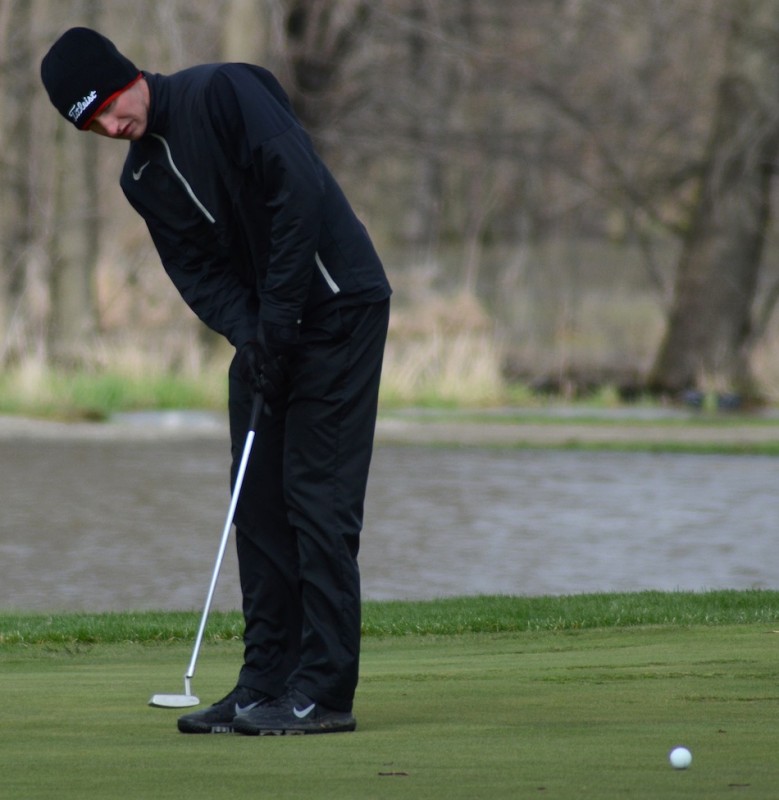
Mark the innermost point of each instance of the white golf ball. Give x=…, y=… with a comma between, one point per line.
x=680, y=758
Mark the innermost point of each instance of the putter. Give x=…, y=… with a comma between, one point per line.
x=188, y=699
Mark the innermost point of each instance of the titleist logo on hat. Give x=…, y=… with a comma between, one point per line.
x=77, y=109
x=82, y=72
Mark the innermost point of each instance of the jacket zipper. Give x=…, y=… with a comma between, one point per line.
x=334, y=287
x=185, y=183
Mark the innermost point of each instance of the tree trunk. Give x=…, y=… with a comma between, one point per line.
x=320, y=35
x=247, y=31
x=16, y=201
x=74, y=254
x=75, y=240
x=708, y=336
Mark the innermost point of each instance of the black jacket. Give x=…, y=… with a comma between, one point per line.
x=249, y=223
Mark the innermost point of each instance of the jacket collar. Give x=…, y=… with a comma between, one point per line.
x=159, y=103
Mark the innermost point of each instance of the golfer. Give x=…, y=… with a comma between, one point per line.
x=264, y=247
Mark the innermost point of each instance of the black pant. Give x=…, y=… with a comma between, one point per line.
x=300, y=514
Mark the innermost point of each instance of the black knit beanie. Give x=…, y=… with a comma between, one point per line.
x=82, y=72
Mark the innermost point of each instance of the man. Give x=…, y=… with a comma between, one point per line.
x=262, y=244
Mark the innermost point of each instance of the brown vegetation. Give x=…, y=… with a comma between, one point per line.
x=565, y=166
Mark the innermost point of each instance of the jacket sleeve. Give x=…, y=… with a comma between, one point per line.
x=284, y=185
x=293, y=196
x=208, y=286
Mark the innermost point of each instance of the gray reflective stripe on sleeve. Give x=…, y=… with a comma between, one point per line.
x=334, y=287
x=185, y=183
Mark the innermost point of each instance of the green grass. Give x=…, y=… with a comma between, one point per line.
x=558, y=712
x=587, y=429
x=83, y=395
x=45, y=391
x=585, y=414
x=445, y=617
x=61, y=394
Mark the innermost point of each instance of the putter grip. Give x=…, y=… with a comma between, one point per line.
x=257, y=407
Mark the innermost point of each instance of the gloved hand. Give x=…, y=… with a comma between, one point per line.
x=279, y=340
x=266, y=375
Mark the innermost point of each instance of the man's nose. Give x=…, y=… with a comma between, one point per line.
x=111, y=124
x=106, y=124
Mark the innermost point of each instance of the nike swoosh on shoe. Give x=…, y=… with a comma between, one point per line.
x=302, y=713
x=244, y=709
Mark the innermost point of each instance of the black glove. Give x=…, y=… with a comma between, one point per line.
x=266, y=375
x=279, y=340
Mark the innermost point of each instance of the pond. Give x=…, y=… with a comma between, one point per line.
x=105, y=523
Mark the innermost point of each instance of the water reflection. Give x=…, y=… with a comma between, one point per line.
x=522, y=522
x=112, y=525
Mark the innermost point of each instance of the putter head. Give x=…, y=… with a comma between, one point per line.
x=173, y=700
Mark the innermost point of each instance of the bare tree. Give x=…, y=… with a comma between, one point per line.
x=20, y=315
x=709, y=331
x=459, y=128
x=320, y=36
x=249, y=31
x=74, y=243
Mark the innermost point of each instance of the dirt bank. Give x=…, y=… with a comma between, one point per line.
x=420, y=430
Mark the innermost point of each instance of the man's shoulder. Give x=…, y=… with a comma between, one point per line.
x=238, y=74
x=246, y=81
x=193, y=78
x=250, y=94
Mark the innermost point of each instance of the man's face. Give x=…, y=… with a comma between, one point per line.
x=126, y=116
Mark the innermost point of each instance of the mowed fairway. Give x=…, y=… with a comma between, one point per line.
x=552, y=714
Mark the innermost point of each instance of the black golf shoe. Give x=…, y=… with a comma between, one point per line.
x=292, y=713
x=219, y=717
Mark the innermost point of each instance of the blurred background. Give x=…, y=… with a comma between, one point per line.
x=570, y=196
x=573, y=198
